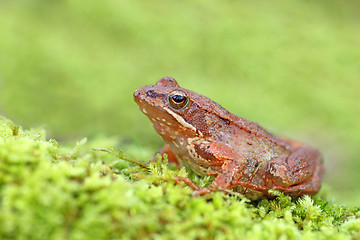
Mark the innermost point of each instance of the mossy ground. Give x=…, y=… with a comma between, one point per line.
x=48, y=191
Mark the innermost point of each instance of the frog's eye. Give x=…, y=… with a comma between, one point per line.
x=178, y=99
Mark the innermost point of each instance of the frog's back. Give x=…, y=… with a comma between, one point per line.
x=214, y=114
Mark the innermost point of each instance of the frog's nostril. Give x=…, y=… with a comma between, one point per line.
x=137, y=94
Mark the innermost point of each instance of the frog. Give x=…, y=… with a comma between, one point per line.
x=238, y=154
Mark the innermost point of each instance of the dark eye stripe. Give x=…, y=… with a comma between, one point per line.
x=151, y=93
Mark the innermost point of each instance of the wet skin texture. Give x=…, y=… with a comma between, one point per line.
x=238, y=153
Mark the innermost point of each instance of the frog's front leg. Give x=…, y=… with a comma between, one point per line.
x=224, y=180
x=229, y=164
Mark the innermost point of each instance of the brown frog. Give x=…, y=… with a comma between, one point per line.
x=239, y=153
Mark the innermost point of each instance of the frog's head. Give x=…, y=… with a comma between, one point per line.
x=170, y=108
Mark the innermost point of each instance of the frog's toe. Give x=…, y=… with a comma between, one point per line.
x=201, y=191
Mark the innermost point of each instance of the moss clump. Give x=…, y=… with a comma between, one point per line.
x=49, y=191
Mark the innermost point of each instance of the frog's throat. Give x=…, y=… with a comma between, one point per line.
x=180, y=120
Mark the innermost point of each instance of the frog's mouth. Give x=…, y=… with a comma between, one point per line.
x=148, y=100
x=154, y=105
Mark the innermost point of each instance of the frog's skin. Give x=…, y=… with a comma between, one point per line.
x=240, y=154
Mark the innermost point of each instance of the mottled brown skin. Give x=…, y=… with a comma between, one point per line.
x=240, y=154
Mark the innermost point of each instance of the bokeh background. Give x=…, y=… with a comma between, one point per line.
x=292, y=66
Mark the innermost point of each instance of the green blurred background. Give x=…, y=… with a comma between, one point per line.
x=292, y=66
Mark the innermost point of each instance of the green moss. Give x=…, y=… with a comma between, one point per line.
x=48, y=191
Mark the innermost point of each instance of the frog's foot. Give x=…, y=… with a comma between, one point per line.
x=187, y=181
x=201, y=191
x=198, y=191
x=259, y=188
